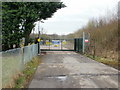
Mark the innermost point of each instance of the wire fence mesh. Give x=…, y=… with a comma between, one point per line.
x=14, y=60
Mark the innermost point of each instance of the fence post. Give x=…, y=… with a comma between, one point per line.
x=23, y=59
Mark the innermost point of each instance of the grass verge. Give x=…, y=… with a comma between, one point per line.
x=109, y=62
x=25, y=77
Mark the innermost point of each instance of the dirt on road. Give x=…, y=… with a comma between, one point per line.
x=72, y=70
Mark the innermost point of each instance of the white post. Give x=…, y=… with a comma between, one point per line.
x=83, y=42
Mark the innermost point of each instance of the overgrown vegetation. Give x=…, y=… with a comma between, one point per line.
x=103, y=33
x=24, y=78
x=110, y=62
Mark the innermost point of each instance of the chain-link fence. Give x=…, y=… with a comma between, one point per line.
x=14, y=60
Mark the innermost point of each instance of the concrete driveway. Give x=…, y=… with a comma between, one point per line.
x=71, y=70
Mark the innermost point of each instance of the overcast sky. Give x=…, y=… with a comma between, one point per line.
x=76, y=15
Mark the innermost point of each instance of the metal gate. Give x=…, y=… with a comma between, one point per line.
x=61, y=44
x=78, y=46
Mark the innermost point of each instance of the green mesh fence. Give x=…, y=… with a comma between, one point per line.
x=14, y=60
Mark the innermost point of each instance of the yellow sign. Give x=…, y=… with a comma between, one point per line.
x=64, y=42
x=55, y=45
x=38, y=39
x=47, y=43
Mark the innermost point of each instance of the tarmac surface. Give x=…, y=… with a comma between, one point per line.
x=71, y=70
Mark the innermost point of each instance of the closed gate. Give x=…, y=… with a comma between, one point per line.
x=78, y=44
x=61, y=44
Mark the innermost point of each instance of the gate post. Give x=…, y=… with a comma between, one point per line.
x=78, y=45
x=83, y=43
x=75, y=44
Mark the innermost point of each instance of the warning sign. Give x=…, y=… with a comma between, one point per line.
x=86, y=41
x=64, y=42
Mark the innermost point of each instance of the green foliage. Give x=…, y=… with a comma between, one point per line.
x=10, y=25
x=112, y=63
x=19, y=18
x=27, y=74
x=19, y=82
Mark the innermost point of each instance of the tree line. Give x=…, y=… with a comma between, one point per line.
x=18, y=20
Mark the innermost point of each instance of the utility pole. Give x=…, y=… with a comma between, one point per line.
x=83, y=43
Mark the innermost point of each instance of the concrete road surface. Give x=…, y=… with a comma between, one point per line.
x=72, y=70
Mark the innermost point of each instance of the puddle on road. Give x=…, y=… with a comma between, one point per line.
x=61, y=78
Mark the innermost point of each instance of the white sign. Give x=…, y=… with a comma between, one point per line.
x=86, y=40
